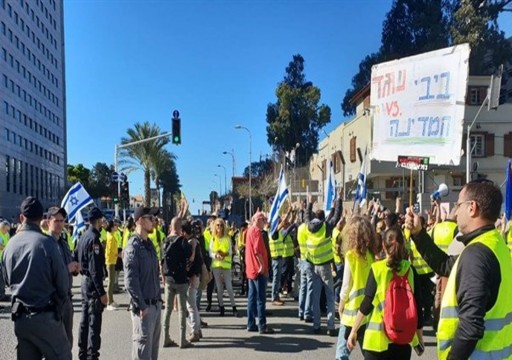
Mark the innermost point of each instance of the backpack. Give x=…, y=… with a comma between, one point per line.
x=174, y=260
x=400, y=310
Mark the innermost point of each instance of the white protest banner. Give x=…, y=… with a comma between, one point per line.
x=418, y=105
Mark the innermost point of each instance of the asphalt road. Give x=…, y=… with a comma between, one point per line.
x=225, y=338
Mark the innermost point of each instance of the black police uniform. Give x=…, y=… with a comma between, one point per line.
x=91, y=256
x=38, y=278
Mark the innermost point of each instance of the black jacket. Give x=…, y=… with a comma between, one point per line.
x=477, y=285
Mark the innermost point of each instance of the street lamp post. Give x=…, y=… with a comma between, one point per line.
x=250, y=167
x=225, y=179
x=220, y=184
x=232, y=153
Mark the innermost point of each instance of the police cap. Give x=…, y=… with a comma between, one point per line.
x=142, y=211
x=32, y=208
x=95, y=214
x=54, y=210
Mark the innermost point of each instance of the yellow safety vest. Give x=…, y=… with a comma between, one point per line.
x=509, y=240
x=207, y=238
x=5, y=240
x=419, y=264
x=126, y=235
x=69, y=240
x=103, y=235
x=335, y=234
x=497, y=340
x=111, y=249
x=319, y=248
x=288, y=249
x=119, y=239
x=302, y=239
x=240, y=239
x=375, y=338
x=442, y=234
x=359, y=269
x=223, y=244
x=276, y=246
x=157, y=238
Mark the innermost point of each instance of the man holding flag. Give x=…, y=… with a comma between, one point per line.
x=360, y=197
x=320, y=255
x=276, y=241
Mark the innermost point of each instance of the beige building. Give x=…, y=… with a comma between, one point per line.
x=491, y=141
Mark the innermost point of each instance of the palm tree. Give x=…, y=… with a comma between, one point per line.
x=164, y=175
x=142, y=156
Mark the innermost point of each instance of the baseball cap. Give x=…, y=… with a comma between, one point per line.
x=32, y=208
x=142, y=211
x=54, y=210
x=95, y=213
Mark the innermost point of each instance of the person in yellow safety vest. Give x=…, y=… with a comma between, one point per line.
x=44, y=227
x=359, y=258
x=425, y=274
x=157, y=238
x=319, y=253
x=289, y=244
x=442, y=234
x=276, y=245
x=111, y=256
x=240, y=245
x=128, y=231
x=4, y=240
x=207, y=234
x=103, y=232
x=306, y=277
x=475, y=320
x=119, y=243
x=337, y=271
x=376, y=344
x=221, y=252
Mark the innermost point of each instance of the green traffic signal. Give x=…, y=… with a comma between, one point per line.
x=176, y=131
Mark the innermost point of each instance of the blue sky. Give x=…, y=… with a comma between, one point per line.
x=217, y=62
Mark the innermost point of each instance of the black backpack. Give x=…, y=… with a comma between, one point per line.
x=174, y=258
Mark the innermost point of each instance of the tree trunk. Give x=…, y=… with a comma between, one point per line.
x=147, y=188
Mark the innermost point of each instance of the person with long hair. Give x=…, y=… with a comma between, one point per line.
x=376, y=344
x=358, y=261
x=221, y=252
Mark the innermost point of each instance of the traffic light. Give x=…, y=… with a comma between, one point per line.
x=125, y=193
x=113, y=191
x=176, y=131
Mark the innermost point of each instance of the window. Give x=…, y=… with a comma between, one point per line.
x=478, y=145
x=458, y=180
x=353, y=151
x=7, y=173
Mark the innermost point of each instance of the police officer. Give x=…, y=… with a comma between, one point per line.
x=91, y=258
x=56, y=218
x=38, y=278
x=142, y=281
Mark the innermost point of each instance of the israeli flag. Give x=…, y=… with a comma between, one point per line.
x=75, y=200
x=361, y=184
x=282, y=193
x=78, y=226
x=330, y=189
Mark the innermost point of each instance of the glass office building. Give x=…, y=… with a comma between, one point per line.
x=32, y=103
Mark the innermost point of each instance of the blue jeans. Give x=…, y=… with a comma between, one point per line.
x=306, y=289
x=277, y=271
x=338, y=281
x=342, y=352
x=322, y=277
x=256, y=303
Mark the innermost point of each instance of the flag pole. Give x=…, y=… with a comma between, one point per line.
x=410, y=190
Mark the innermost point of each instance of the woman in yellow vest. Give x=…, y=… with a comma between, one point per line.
x=358, y=261
x=111, y=256
x=376, y=344
x=221, y=253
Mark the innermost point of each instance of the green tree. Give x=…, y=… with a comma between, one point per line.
x=78, y=173
x=476, y=22
x=142, y=156
x=100, y=180
x=411, y=27
x=259, y=168
x=296, y=117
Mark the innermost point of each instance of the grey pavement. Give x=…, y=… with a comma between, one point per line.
x=225, y=337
